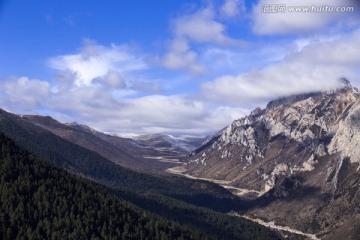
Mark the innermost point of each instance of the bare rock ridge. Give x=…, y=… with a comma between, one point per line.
x=314, y=124
x=302, y=150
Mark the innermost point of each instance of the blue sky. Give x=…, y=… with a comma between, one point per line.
x=177, y=67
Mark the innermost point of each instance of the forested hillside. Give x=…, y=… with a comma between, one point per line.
x=86, y=163
x=40, y=201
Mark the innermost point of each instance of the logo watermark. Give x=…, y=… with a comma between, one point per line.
x=283, y=8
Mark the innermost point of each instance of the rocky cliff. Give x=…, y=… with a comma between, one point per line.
x=300, y=155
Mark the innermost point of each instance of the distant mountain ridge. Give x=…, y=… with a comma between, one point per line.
x=169, y=147
x=146, y=152
x=302, y=151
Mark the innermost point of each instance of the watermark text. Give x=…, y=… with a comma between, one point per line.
x=282, y=8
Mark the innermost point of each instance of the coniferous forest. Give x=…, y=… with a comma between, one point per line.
x=40, y=201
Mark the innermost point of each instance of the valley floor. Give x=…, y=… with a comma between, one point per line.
x=277, y=227
x=226, y=184
x=240, y=192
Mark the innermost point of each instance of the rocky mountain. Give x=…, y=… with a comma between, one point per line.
x=150, y=153
x=298, y=159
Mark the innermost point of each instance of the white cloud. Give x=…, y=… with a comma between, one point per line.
x=232, y=8
x=169, y=114
x=95, y=61
x=160, y=114
x=202, y=27
x=112, y=79
x=99, y=86
x=297, y=22
x=314, y=67
x=234, y=61
x=181, y=57
x=111, y=89
x=342, y=51
x=23, y=94
x=199, y=27
x=110, y=103
x=96, y=106
x=117, y=68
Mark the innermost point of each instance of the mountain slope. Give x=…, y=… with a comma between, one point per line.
x=89, y=164
x=40, y=201
x=300, y=154
x=137, y=188
x=147, y=153
x=86, y=137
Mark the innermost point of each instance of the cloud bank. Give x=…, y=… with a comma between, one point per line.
x=110, y=98
x=118, y=88
x=315, y=67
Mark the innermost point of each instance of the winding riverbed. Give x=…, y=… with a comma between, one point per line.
x=240, y=192
x=277, y=227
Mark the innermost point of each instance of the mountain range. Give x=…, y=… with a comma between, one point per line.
x=149, y=153
x=294, y=165
x=178, y=200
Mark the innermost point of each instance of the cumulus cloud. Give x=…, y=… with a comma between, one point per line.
x=232, y=8
x=95, y=61
x=198, y=27
x=180, y=56
x=301, y=21
x=202, y=27
x=117, y=67
x=314, y=67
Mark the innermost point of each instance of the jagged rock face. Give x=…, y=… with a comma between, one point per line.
x=347, y=137
x=287, y=137
x=304, y=148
